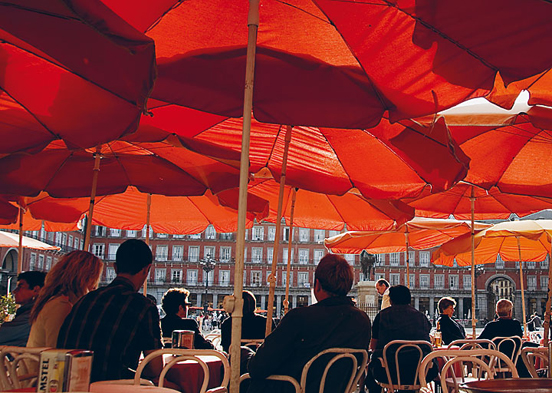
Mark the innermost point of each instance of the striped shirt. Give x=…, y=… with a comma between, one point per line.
x=115, y=322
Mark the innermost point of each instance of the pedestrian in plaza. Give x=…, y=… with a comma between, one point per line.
x=76, y=274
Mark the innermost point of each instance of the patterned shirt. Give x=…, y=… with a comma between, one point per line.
x=117, y=323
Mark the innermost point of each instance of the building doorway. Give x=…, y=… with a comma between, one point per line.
x=499, y=288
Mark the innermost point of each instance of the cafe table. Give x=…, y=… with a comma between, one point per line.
x=188, y=374
x=508, y=385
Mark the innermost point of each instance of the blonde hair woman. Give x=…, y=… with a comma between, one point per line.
x=73, y=276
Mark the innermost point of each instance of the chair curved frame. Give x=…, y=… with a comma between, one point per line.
x=530, y=354
x=512, y=340
x=16, y=371
x=402, y=344
x=340, y=353
x=187, y=354
x=479, y=343
x=477, y=363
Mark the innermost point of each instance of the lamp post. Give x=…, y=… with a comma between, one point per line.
x=479, y=270
x=208, y=265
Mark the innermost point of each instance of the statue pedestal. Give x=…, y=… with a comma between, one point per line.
x=367, y=294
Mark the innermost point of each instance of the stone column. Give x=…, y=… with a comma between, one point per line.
x=215, y=300
x=278, y=305
x=432, y=307
x=263, y=302
x=199, y=300
x=294, y=301
x=417, y=303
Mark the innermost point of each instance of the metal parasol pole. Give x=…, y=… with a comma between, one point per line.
x=288, y=271
x=20, y=248
x=148, y=216
x=272, y=275
x=522, y=288
x=548, y=299
x=472, y=201
x=407, y=257
x=96, y=170
x=237, y=309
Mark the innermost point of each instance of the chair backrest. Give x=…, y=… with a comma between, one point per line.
x=358, y=358
x=19, y=367
x=460, y=367
x=187, y=354
x=531, y=356
x=405, y=355
x=510, y=346
x=479, y=343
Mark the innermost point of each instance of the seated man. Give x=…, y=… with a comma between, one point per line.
x=116, y=322
x=175, y=304
x=304, y=332
x=253, y=325
x=16, y=332
x=401, y=321
x=450, y=328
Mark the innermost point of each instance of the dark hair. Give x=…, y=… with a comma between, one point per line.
x=445, y=302
x=173, y=299
x=132, y=256
x=249, y=302
x=334, y=274
x=383, y=281
x=399, y=295
x=33, y=278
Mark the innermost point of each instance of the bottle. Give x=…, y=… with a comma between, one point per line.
x=438, y=336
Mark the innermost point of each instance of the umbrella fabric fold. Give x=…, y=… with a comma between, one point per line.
x=8, y=239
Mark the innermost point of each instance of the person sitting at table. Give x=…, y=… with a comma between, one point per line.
x=175, y=305
x=450, y=328
x=73, y=276
x=117, y=322
x=16, y=332
x=401, y=321
x=333, y=322
x=253, y=325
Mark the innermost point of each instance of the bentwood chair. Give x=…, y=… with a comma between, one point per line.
x=536, y=361
x=19, y=367
x=511, y=346
x=332, y=357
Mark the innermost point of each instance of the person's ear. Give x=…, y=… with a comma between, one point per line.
x=37, y=289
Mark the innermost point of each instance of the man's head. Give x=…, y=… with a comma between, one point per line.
x=28, y=286
x=504, y=308
x=381, y=286
x=334, y=276
x=399, y=295
x=249, y=303
x=175, y=301
x=132, y=257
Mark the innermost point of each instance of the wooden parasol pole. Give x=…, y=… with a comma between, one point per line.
x=96, y=170
x=288, y=271
x=148, y=216
x=472, y=201
x=272, y=275
x=237, y=309
x=548, y=300
x=20, y=248
x=407, y=257
x=525, y=333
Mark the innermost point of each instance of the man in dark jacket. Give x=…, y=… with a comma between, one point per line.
x=175, y=304
x=304, y=332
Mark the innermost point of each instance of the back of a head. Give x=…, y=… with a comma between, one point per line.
x=174, y=298
x=249, y=303
x=132, y=256
x=504, y=308
x=33, y=278
x=334, y=274
x=399, y=295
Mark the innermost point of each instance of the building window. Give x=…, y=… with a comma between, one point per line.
x=531, y=265
x=70, y=241
x=257, y=254
x=424, y=281
x=544, y=283
x=178, y=236
x=394, y=279
x=176, y=276
x=466, y=281
x=284, y=278
x=131, y=233
x=162, y=253
x=210, y=233
x=114, y=232
x=318, y=255
x=209, y=252
x=256, y=278
x=453, y=282
x=303, y=256
x=544, y=264
x=177, y=253
x=224, y=278
x=225, y=254
x=439, y=281
x=109, y=274
x=394, y=258
x=144, y=232
x=64, y=238
x=98, y=250
x=112, y=251
x=160, y=276
x=532, y=282
x=58, y=239
x=380, y=259
x=319, y=235
x=271, y=234
x=41, y=262
x=350, y=258
x=286, y=234
x=424, y=258
x=195, y=236
x=76, y=243
x=412, y=281
x=303, y=279
x=32, y=263
x=269, y=254
x=258, y=233
x=162, y=235
x=191, y=277
x=100, y=231
x=411, y=258
x=499, y=264
x=226, y=236
x=193, y=254
x=304, y=235
x=285, y=258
